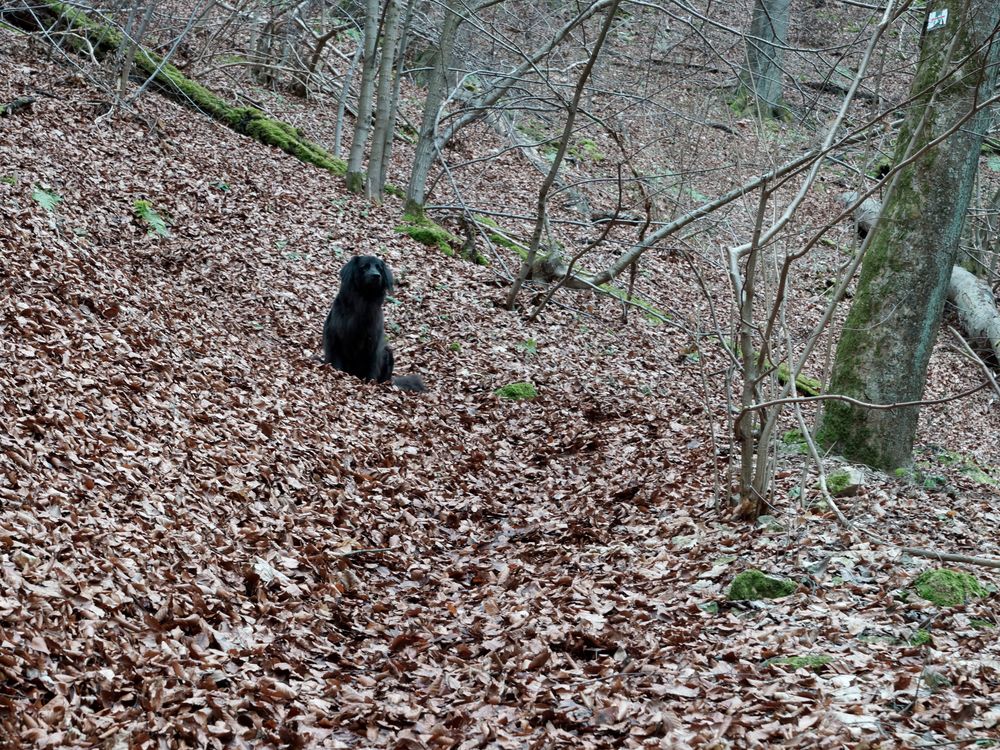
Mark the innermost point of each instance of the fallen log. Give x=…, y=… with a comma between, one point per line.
x=977, y=310
x=864, y=215
x=74, y=29
x=6, y=110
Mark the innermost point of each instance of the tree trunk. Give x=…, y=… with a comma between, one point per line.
x=977, y=310
x=355, y=175
x=383, y=109
x=889, y=333
x=345, y=90
x=760, y=79
x=416, y=191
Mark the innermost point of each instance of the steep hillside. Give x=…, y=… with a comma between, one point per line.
x=207, y=539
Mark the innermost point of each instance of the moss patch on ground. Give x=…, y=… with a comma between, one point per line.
x=948, y=588
x=517, y=391
x=427, y=232
x=794, y=442
x=497, y=237
x=815, y=662
x=753, y=584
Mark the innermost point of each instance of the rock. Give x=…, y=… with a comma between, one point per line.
x=845, y=482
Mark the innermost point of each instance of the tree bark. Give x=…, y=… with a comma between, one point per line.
x=972, y=296
x=383, y=109
x=760, y=78
x=416, y=191
x=886, y=343
x=355, y=175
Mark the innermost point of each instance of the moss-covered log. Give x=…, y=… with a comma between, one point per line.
x=77, y=31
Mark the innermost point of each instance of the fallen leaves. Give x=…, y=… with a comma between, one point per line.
x=208, y=540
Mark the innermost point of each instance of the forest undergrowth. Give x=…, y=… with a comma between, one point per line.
x=208, y=539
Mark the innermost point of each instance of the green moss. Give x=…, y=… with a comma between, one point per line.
x=948, y=588
x=9, y=179
x=517, y=391
x=738, y=104
x=533, y=130
x=485, y=221
x=355, y=182
x=586, y=149
x=920, y=475
x=425, y=231
x=795, y=442
x=171, y=82
x=653, y=314
x=499, y=239
x=815, y=662
x=805, y=386
x=920, y=638
x=455, y=346
x=394, y=190
x=838, y=481
x=981, y=624
x=967, y=466
x=753, y=584
x=880, y=168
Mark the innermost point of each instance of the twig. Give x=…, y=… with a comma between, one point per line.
x=865, y=404
x=968, y=352
x=985, y=562
x=370, y=550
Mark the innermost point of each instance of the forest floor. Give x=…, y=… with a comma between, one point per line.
x=207, y=539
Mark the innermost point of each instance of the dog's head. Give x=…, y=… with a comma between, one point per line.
x=367, y=275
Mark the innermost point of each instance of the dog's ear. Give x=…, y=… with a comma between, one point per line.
x=386, y=275
x=348, y=270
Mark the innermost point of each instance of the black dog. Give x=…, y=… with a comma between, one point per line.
x=353, y=335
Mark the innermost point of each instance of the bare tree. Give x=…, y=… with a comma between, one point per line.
x=355, y=176
x=760, y=79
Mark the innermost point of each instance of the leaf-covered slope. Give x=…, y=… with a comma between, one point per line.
x=207, y=538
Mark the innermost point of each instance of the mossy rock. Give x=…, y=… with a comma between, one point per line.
x=427, y=232
x=845, y=482
x=517, y=391
x=753, y=584
x=815, y=662
x=948, y=588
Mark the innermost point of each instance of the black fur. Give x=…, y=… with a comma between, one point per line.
x=354, y=335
